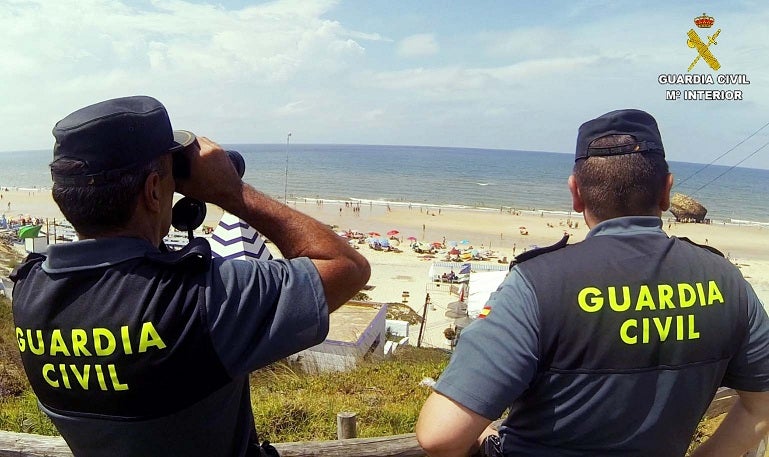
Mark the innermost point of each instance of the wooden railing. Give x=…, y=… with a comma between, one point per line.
x=14, y=444
x=25, y=445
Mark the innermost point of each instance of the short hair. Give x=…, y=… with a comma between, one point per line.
x=621, y=185
x=101, y=209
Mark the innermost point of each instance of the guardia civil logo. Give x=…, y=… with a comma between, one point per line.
x=703, y=49
x=702, y=72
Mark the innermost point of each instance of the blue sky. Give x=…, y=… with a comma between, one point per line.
x=503, y=74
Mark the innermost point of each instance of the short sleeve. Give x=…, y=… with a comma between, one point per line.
x=261, y=311
x=749, y=369
x=496, y=357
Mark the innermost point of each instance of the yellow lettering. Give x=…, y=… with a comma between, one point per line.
x=47, y=369
x=701, y=294
x=103, y=341
x=665, y=292
x=623, y=331
x=686, y=295
x=40, y=349
x=113, y=376
x=64, y=377
x=20, y=339
x=100, y=377
x=679, y=328
x=693, y=333
x=714, y=293
x=645, y=330
x=645, y=299
x=593, y=294
x=126, y=340
x=625, y=299
x=58, y=344
x=82, y=378
x=663, y=330
x=79, y=340
x=150, y=337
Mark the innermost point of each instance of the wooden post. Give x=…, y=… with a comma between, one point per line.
x=346, y=425
x=422, y=324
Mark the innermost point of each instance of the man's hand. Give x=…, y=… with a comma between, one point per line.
x=212, y=177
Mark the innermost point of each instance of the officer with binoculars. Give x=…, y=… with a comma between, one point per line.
x=136, y=351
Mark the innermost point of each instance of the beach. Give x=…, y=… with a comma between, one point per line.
x=498, y=231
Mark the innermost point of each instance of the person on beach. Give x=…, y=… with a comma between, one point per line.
x=136, y=351
x=614, y=345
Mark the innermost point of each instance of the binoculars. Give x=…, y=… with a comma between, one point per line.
x=181, y=165
x=188, y=213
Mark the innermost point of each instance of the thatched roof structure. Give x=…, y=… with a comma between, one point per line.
x=687, y=209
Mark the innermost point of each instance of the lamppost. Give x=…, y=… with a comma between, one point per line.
x=285, y=182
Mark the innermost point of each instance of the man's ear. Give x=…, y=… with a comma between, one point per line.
x=665, y=198
x=151, y=194
x=576, y=197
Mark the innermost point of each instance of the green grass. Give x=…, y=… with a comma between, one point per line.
x=386, y=395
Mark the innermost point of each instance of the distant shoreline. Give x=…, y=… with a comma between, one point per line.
x=667, y=216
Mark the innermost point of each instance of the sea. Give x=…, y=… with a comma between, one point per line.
x=481, y=179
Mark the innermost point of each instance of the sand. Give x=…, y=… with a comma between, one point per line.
x=394, y=273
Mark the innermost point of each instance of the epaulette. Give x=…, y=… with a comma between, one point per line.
x=195, y=256
x=524, y=256
x=22, y=269
x=703, y=246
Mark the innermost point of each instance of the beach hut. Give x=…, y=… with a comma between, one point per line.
x=356, y=330
x=687, y=209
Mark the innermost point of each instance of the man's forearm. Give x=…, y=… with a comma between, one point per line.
x=343, y=270
x=740, y=432
x=294, y=233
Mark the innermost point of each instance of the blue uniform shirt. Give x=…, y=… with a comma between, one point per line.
x=611, y=346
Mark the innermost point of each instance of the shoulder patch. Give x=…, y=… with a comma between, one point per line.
x=195, y=256
x=703, y=246
x=524, y=256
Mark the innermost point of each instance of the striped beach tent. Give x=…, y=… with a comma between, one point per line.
x=235, y=239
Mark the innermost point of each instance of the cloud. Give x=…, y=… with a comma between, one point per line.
x=419, y=45
x=292, y=109
x=61, y=55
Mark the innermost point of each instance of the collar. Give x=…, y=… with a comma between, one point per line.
x=88, y=254
x=628, y=226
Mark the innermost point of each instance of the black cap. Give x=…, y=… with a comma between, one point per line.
x=115, y=135
x=639, y=124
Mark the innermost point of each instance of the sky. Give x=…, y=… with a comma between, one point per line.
x=483, y=74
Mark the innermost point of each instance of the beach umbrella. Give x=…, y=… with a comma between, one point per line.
x=29, y=231
x=454, y=251
x=412, y=238
x=437, y=244
x=392, y=233
x=453, y=243
x=376, y=234
x=235, y=239
x=464, y=242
